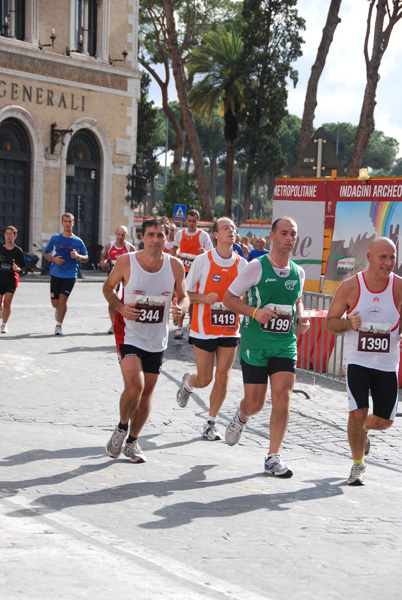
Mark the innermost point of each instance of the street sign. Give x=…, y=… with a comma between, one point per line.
x=180, y=211
x=319, y=158
x=238, y=211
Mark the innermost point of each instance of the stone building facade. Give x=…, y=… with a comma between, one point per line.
x=69, y=90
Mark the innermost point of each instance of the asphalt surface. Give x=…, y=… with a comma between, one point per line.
x=199, y=519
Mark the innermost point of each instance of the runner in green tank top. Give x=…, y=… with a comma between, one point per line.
x=272, y=287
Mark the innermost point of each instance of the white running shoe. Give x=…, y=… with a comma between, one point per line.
x=210, y=431
x=113, y=447
x=274, y=465
x=234, y=430
x=4, y=328
x=134, y=452
x=183, y=394
x=356, y=476
x=58, y=330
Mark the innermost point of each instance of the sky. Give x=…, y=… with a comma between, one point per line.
x=342, y=83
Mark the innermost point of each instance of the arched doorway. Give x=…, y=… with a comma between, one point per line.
x=15, y=161
x=82, y=189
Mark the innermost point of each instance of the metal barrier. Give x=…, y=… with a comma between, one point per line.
x=319, y=351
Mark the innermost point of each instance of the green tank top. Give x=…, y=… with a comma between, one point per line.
x=279, y=294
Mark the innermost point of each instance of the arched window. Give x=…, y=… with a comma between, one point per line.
x=15, y=160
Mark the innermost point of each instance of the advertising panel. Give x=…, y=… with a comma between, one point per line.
x=364, y=211
x=304, y=201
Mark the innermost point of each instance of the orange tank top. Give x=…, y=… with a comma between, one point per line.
x=189, y=246
x=216, y=319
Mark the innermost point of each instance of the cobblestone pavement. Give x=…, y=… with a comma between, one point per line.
x=199, y=519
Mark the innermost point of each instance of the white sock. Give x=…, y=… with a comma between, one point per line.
x=211, y=419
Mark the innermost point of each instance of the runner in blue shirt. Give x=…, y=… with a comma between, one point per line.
x=64, y=251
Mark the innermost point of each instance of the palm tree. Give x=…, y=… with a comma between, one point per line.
x=215, y=69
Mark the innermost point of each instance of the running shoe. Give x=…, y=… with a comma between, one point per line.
x=234, y=430
x=113, y=447
x=111, y=329
x=58, y=330
x=4, y=328
x=356, y=476
x=179, y=334
x=274, y=465
x=134, y=452
x=183, y=394
x=367, y=445
x=210, y=431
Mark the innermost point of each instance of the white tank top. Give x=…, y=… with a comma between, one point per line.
x=376, y=344
x=153, y=293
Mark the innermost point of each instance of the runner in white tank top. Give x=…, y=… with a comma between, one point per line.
x=376, y=344
x=153, y=293
x=372, y=302
x=148, y=279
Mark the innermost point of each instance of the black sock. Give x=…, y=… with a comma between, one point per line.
x=123, y=427
x=130, y=439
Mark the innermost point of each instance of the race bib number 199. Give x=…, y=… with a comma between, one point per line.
x=280, y=324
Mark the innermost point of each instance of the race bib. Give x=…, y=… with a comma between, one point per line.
x=222, y=316
x=282, y=323
x=152, y=309
x=187, y=259
x=374, y=337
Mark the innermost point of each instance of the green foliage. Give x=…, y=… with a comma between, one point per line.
x=219, y=207
x=271, y=42
x=181, y=188
x=215, y=70
x=381, y=150
x=289, y=138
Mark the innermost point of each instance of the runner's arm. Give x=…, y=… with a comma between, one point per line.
x=116, y=276
x=336, y=321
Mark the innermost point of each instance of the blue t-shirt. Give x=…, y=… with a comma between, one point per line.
x=58, y=245
x=237, y=248
x=256, y=253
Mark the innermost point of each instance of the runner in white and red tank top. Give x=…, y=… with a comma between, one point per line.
x=111, y=252
x=372, y=301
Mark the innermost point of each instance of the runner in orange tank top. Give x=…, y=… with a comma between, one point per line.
x=214, y=329
x=191, y=243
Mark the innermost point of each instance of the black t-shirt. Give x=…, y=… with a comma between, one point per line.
x=7, y=258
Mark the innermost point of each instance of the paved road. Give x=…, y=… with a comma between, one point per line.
x=199, y=519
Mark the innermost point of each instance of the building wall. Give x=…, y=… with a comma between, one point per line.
x=63, y=84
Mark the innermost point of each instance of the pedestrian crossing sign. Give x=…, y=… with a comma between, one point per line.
x=180, y=211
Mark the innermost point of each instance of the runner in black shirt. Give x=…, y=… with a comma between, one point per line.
x=11, y=262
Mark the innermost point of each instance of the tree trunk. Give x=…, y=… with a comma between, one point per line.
x=213, y=179
x=380, y=43
x=180, y=137
x=187, y=116
x=247, y=192
x=227, y=211
x=310, y=102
